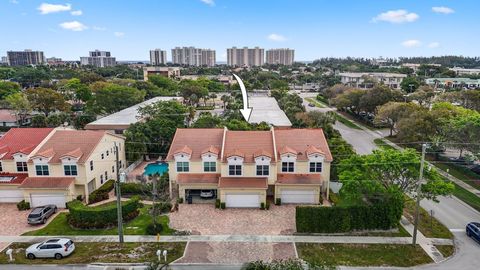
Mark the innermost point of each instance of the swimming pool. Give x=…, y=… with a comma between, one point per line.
x=154, y=168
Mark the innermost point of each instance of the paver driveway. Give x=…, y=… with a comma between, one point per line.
x=205, y=219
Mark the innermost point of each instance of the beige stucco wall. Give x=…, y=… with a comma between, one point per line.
x=8, y=187
x=224, y=191
x=279, y=188
x=9, y=166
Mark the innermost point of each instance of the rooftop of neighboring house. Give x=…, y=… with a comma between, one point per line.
x=12, y=178
x=77, y=144
x=266, y=109
x=21, y=140
x=7, y=116
x=249, y=144
x=374, y=74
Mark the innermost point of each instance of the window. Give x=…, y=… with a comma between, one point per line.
x=288, y=166
x=70, y=169
x=315, y=167
x=103, y=156
x=42, y=169
x=106, y=175
x=107, y=153
x=234, y=169
x=1, y=168
x=209, y=166
x=183, y=166
x=263, y=170
x=113, y=169
x=101, y=179
x=22, y=167
x=91, y=165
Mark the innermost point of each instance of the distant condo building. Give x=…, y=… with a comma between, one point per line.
x=55, y=61
x=25, y=58
x=465, y=71
x=158, y=57
x=245, y=56
x=368, y=80
x=4, y=60
x=191, y=56
x=98, y=59
x=280, y=57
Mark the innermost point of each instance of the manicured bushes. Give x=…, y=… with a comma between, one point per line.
x=267, y=205
x=217, y=203
x=132, y=189
x=101, y=193
x=222, y=205
x=262, y=206
x=278, y=201
x=163, y=207
x=383, y=214
x=103, y=216
x=154, y=228
x=23, y=205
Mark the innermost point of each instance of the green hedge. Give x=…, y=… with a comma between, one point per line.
x=133, y=189
x=103, y=216
x=101, y=193
x=23, y=205
x=380, y=215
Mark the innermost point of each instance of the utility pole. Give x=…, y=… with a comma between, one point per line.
x=119, y=194
x=419, y=190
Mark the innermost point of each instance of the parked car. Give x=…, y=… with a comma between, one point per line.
x=53, y=248
x=476, y=169
x=311, y=105
x=206, y=194
x=473, y=230
x=41, y=214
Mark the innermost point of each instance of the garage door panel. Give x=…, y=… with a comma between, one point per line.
x=11, y=196
x=298, y=196
x=242, y=200
x=41, y=199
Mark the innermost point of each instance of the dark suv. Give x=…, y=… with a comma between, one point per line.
x=473, y=230
x=41, y=214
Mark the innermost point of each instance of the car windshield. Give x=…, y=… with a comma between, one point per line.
x=69, y=243
x=34, y=215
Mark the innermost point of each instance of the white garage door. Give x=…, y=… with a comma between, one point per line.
x=298, y=196
x=11, y=196
x=242, y=200
x=40, y=199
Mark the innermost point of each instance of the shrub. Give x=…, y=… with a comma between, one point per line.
x=290, y=264
x=222, y=205
x=85, y=217
x=101, y=193
x=217, y=203
x=79, y=198
x=179, y=200
x=163, y=207
x=334, y=198
x=267, y=205
x=278, y=201
x=23, y=205
x=382, y=214
x=154, y=228
x=262, y=206
x=132, y=189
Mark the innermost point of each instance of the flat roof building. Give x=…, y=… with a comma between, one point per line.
x=98, y=59
x=191, y=56
x=25, y=58
x=245, y=56
x=266, y=109
x=158, y=57
x=169, y=72
x=368, y=80
x=280, y=57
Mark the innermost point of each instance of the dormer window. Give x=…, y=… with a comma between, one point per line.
x=183, y=166
x=315, y=161
x=22, y=166
x=262, y=165
x=209, y=166
x=70, y=170
x=288, y=166
x=42, y=170
x=235, y=164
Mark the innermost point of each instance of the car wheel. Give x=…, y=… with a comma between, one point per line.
x=44, y=221
x=55, y=210
x=468, y=233
x=58, y=256
x=30, y=256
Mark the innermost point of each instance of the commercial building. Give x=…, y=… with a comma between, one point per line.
x=368, y=80
x=280, y=57
x=98, y=59
x=169, y=72
x=208, y=58
x=158, y=57
x=465, y=71
x=191, y=56
x=245, y=56
x=455, y=83
x=25, y=58
x=266, y=109
x=55, y=61
x=4, y=60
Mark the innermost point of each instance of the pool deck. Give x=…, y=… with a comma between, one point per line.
x=132, y=176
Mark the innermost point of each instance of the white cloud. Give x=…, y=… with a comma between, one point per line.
x=119, y=34
x=411, y=43
x=209, y=2
x=99, y=28
x=46, y=8
x=276, y=37
x=74, y=26
x=14, y=2
x=443, y=10
x=76, y=13
x=434, y=45
x=396, y=16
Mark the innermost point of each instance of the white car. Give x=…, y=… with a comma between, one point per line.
x=53, y=248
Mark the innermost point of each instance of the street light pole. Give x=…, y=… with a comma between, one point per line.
x=419, y=189
x=119, y=201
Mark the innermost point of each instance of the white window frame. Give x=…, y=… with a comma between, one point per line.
x=235, y=170
x=183, y=167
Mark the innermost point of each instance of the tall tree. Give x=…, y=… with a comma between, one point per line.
x=8, y=88
x=113, y=98
x=46, y=100
x=20, y=104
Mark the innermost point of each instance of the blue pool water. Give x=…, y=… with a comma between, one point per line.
x=154, y=168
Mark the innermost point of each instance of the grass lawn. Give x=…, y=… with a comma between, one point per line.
x=362, y=254
x=401, y=233
x=430, y=227
x=381, y=143
x=347, y=122
x=102, y=252
x=461, y=173
x=137, y=226
x=316, y=103
x=467, y=197
x=446, y=251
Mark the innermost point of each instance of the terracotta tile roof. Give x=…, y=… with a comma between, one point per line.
x=48, y=153
x=22, y=140
x=197, y=139
x=63, y=142
x=185, y=149
x=287, y=150
x=305, y=179
x=235, y=152
x=47, y=182
x=300, y=140
x=243, y=182
x=12, y=178
x=211, y=149
x=248, y=143
x=313, y=150
x=198, y=178
x=77, y=153
x=7, y=116
x=262, y=153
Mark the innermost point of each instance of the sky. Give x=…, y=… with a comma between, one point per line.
x=314, y=28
